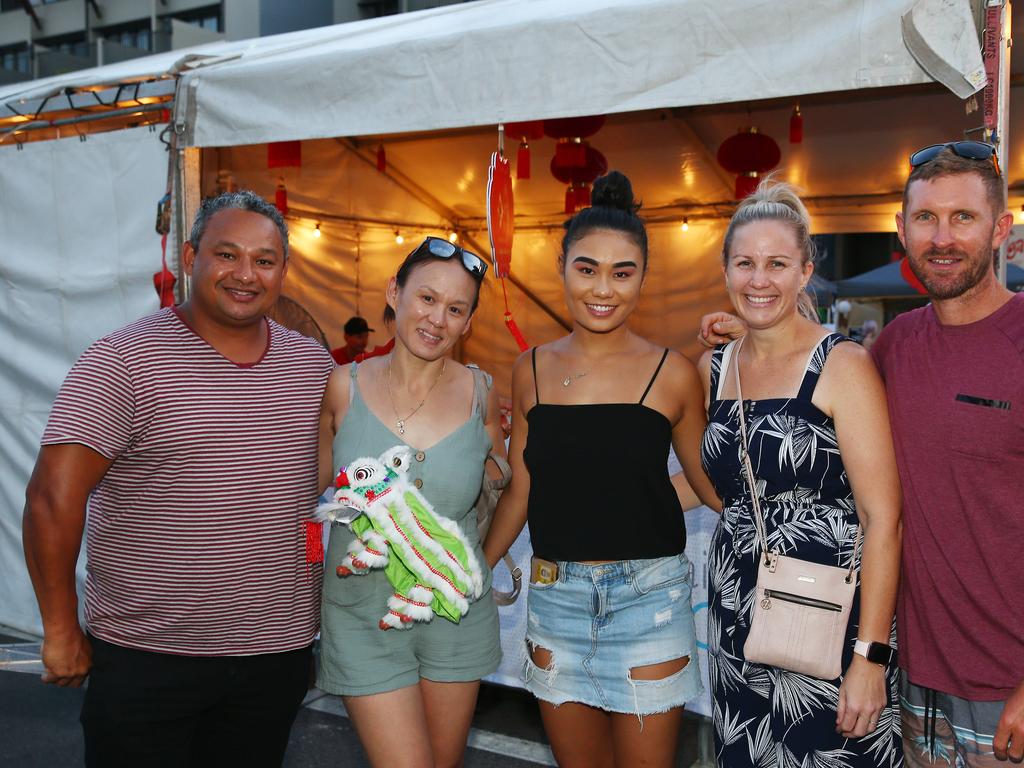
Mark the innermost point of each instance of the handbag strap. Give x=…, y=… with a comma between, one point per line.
x=745, y=453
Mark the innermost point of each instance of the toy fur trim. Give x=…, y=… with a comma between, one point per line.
x=426, y=557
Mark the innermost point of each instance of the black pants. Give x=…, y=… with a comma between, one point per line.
x=157, y=709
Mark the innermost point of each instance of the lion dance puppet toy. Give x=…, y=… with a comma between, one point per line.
x=426, y=557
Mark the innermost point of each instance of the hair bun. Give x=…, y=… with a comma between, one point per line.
x=613, y=190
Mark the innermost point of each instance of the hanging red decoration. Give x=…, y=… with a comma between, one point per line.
x=281, y=198
x=284, y=154
x=748, y=154
x=570, y=151
x=579, y=177
x=796, y=126
x=163, y=282
x=531, y=130
x=500, y=213
x=314, y=542
x=910, y=278
x=501, y=230
x=382, y=158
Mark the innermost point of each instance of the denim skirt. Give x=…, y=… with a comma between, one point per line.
x=601, y=621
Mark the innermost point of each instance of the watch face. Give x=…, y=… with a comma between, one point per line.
x=879, y=653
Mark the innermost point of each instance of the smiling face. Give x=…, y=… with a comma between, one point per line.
x=603, y=273
x=765, y=273
x=433, y=308
x=950, y=231
x=237, y=271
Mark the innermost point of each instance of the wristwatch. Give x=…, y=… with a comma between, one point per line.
x=877, y=653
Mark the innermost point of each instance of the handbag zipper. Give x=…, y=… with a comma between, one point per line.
x=789, y=597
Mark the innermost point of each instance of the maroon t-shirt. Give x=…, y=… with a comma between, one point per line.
x=956, y=400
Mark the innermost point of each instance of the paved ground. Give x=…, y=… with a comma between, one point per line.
x=39, y=725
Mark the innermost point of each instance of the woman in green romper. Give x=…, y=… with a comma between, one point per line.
x=411, y=692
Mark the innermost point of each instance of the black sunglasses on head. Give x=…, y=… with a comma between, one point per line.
x=969, y=150
x=442, y=249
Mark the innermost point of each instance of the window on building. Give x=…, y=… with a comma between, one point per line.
x=136, y=35
x=16, y=58
x=207, y=18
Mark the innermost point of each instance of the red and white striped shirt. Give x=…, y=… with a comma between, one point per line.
x=195, y=535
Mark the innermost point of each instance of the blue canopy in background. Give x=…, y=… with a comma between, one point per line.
x=887, y=282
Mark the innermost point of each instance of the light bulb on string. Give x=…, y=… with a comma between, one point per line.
x=685, y=226
x=398, y=238
x=316, y=231
x=453, y=236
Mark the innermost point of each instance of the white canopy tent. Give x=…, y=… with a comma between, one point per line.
x=675, y=77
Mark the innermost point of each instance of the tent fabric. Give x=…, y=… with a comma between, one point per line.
x=503, y=60
x=77, y=225
x=887, y=282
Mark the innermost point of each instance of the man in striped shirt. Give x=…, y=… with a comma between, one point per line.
x=191, y=435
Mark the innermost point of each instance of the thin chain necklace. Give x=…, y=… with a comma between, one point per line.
x=399, y=421
x=572, y=377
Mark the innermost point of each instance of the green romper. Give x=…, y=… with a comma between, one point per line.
x=356, y=656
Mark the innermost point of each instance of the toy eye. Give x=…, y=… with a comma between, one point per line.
x=396, y=461
x=362, y=474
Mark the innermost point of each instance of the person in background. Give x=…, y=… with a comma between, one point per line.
x=191, y=435
x=868, y=333
x=612, y=654
x=411, y=692
x=357, y=336
x=819, y=442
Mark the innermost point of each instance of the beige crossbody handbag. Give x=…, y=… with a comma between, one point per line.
x=801, y=609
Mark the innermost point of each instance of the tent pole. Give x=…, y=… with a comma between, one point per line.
x=187, y=196
x=999, y=28
x=410, y=187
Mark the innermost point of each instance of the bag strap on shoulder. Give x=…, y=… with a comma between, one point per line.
x=749, y=471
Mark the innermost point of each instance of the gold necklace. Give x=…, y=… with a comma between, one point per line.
x=399, y=421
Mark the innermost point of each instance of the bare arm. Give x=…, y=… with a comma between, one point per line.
x=720, y=328
x=56, y=498
x=852, y=392
x=688, y=433
x=510, y=515
x=492, y=423
x=333, y=408
x=1009, y=739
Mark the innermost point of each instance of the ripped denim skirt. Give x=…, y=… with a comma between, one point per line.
x=601, y=623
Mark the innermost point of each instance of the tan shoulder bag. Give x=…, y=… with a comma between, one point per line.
x=801, y=609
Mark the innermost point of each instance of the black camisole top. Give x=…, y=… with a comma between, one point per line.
x=599, y=483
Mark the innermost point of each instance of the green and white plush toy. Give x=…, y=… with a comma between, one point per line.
x=425, y=556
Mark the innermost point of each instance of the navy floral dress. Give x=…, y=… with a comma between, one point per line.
x=765, y=716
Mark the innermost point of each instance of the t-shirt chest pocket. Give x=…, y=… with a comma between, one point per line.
x=985, y=422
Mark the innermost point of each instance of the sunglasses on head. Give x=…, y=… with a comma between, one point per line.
x=442, y=249
x=969, y=150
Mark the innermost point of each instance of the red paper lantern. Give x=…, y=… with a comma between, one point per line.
x=573, y=127
x=284, y=154
x=579, y=177
x=748, y=154
x=531, y=130
x=570, y=132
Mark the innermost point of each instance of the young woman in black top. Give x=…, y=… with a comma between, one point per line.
x=610, y=638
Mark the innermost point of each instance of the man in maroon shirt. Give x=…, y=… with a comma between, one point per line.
x=954, y=375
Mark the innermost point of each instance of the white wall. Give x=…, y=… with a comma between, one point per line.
x=76, y=220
